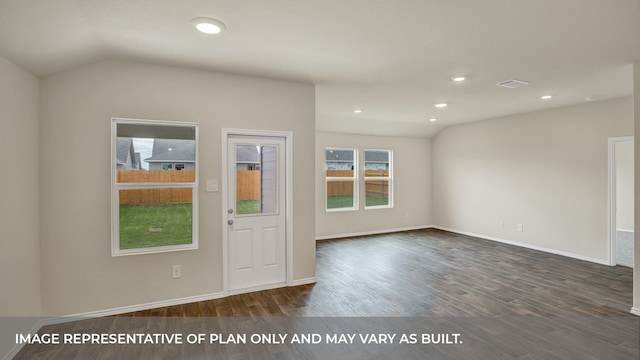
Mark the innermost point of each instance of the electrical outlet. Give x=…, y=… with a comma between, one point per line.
x=520, y=228
x=175, y=271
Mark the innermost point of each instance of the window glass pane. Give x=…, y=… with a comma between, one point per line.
x=147, y=155
x=376, y=163
x=340, y=194
x=155, y=160
x=256, y=179
x=155, y=217
x=377, y=192
x=340, y=163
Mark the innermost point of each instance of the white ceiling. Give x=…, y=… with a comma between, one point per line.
x=391, y=58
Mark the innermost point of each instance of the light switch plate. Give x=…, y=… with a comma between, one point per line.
x=212, y=185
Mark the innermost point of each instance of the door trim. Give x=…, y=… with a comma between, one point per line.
x=611, y=234
x=288, y=138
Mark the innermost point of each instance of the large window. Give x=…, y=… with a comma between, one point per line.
x=341, y=179
x=378, y=177
x=154, y=186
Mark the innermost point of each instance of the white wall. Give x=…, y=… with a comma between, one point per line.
x=546, y=170
x=411, y=189
x=19, y=208
x=624, y=185
x=79, y=274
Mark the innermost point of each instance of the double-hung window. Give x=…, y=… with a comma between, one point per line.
x=378, y=179
x=154, y=206
x=341, y=170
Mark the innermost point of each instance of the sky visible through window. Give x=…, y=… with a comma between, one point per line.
x=144, y=147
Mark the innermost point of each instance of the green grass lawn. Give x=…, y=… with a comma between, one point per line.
x=155, y=225
x=170, y=224
x=333, y=202
x=248, y=207
x=336, y=202
x=376, y=201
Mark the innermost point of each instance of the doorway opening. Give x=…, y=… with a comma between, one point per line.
x=621, y=201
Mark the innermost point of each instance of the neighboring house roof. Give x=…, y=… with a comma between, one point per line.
x=123, y=145
x=172, y=150
x=247, y=154
x=125, y=151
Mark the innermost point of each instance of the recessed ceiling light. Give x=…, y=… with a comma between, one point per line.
x=459, y=78
x=208, y=25
x=357, y=111
x=546, y=97
x=441, y=105
x=433, y=119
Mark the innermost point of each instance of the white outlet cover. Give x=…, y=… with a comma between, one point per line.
x=175, y=271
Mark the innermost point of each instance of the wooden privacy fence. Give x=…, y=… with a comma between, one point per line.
x=247, y=185
x=155, y=196
x=373, y=188
x=155, y=176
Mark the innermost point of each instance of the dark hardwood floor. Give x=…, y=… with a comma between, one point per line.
x=430, y=273
x=433, y=274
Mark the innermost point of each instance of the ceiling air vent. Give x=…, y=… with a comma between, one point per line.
x=512, y=83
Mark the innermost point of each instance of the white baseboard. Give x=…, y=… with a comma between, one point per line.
x=373, y=232
x=141, y=307
x=17, y=347
x=528, y=246
x=298, y=282
x=635, y=311
x=147, y=306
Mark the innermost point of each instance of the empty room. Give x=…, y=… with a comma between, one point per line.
x=243, y=179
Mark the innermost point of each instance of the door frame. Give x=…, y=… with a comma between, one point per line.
x=288, y=139
x=612, y=234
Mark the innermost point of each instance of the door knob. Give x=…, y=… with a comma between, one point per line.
x=230, y=211
x=230, y=222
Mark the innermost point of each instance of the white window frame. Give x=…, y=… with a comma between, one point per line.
x=371, y=178
x=354, y=179
x=116, y=187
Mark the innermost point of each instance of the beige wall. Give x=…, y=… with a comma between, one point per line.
x=546, y=170
x=20, y=293
x=19, y=178
x=79, y=273
x=624, y=185
x=412, y=186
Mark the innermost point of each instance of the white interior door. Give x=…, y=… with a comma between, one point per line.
x=256, y=217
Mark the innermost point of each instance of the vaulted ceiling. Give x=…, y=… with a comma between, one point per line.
x=392, y=59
